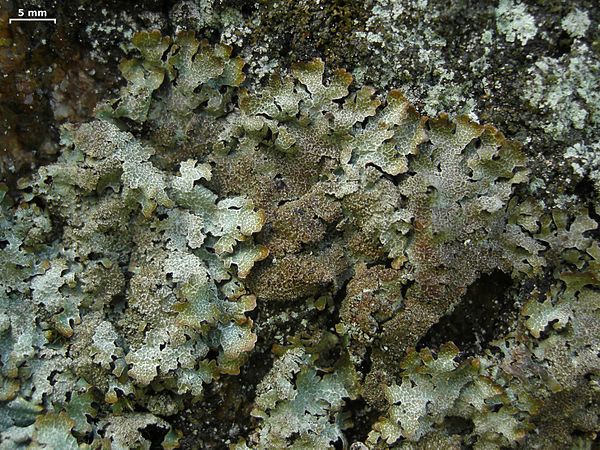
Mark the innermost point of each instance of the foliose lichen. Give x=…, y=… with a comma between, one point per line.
x=133, y=266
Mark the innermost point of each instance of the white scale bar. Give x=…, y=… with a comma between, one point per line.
x=31, y=20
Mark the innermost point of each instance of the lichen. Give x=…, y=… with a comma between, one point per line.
x=576, y=23
x=565, y=91
x=299, y=407
x=515, y=22
x=152, y=260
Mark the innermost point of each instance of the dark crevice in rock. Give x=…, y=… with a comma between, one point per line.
x=485, y=313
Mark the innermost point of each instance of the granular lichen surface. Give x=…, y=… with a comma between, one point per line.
x=223, y=244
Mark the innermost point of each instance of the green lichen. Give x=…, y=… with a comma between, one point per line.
x=565, y=90
x=136, y=266
x=576, y=23
x=514, y=21
x=299, y=407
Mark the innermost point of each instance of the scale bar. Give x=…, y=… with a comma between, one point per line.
x=31, y=20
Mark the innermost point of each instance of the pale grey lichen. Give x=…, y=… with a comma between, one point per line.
x=299, y=407
x=565, y=91
x=515, y=22
x=576, y=23
x=585, y=159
